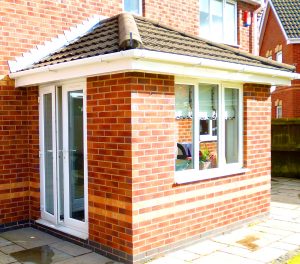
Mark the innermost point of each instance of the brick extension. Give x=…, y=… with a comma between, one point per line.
x=134, y=206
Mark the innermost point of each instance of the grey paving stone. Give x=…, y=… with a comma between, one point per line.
x=30, y=237
x=292, y=239
x=222, y=257
x=284, y=246
x=4, y=242
x=69, y=248
x=91, y=258
x=205, y=247
x=183, y=255
x=5, y=259
x=11, y=249
x=267, y=254
x=40, y=255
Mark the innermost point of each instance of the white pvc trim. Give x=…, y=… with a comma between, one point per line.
x=49, y=47
x=156, y=62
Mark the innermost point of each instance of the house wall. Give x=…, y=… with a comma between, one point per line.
x=134, y=205
x=290, y=95
x=25, y=24
x=19, y=157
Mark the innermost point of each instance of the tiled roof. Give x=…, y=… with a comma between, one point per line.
x=104, y=38
x=288, y=12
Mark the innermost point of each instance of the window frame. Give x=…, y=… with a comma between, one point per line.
x=223, y=169
x=224, y=2
x=279, y=110
x=277, y=54
x=140, y=13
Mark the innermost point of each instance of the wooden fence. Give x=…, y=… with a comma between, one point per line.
x=286, y=147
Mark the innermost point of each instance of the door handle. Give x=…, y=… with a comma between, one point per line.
x=50, y=150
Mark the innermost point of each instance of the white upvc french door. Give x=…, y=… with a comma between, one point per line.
x=63, y=156
x=48, y=155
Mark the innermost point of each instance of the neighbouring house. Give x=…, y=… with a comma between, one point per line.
x=132, y=137
x=280, y=41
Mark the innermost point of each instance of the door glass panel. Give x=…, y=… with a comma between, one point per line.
x=76, y=155
x=48, y=154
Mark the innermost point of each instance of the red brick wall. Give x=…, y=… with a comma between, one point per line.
x=290, y=95
x=18, y=150
x=165, y=214
x=110, y=160
x=245, y=35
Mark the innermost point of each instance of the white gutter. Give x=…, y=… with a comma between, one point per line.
x=221, y=65
x=125, y=61
x=293, y=41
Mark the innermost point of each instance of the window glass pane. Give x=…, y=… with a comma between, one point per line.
x=184, y=127
x=132, y=6
x=217, y=19
x=231, y=125
x=230, y=27
x=204, y=18
x=208, y=109
x=279, y=56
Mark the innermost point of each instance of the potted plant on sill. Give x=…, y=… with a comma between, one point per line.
x=206, y=158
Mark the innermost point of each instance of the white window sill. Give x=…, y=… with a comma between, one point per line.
x=63, y=229
x=187, y=176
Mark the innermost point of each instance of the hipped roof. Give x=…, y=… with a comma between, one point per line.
x=126, y=31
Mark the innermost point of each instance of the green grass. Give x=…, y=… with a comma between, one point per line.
x=294, y=260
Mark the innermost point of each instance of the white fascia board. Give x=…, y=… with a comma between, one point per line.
x=293, y=41
x=254, y=2
x=156, y=62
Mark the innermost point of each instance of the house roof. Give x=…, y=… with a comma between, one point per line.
x=125, y=31
x=288, y=12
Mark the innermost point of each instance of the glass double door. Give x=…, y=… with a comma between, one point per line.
x=63, y=156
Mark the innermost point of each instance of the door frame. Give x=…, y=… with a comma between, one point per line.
x=45, y=215
x=70, y=222
x=46, y=218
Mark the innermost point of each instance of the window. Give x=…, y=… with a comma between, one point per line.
x=279, y=56
x=279, y=111
x=218, y=20
x=133, y=6
x=209, y=127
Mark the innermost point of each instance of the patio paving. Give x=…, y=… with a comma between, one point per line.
x=257, y=243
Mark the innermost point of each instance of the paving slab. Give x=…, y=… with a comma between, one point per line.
x=184, y=255
x=205, y=247
x=4, y=242
x=284, y=246
x=70, y=248
x=6, y=259
x=11, y=249
x=40, y=255
x=91, y=258
x=267, y=254
x=222, y=257
x=29, y=237
x=292, y=239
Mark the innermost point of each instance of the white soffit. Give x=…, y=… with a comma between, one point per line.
x=155, y=62
x=49, y=47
